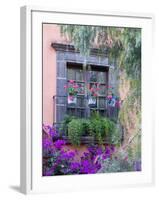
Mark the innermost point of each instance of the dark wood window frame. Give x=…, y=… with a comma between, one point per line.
x=83, y=110
x=67, y=55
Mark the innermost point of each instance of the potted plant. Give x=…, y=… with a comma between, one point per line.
x=72, y=91
x=101, y=128
x=75, y=131
x=92, y=101
x=92, y=96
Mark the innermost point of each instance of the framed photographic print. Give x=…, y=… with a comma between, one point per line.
x=86, y=106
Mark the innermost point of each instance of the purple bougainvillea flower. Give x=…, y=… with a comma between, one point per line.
x=75, y=166
x=137, y=165
x=84, y=166
x=62, y=161
x=71, y=154
x=112, y=148
x=59, y=143
x=47, y=143
x=86, y=154
x=107, y=151
x=67, y=155
x=88, y=167
x=98, y=166
x=105, y=156
x=90, y=149
x=53, y=132
x=93, y=149
x=99, y=151
x=76, y=152
x=49, y=172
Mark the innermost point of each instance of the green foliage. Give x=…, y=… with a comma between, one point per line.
x=65, y=122
x=102, y=128
x=124, y=51
x=132, y=50
x=75, y=131
x=86, y=124
x=123, y=44
x=124, y=159
x=98, y=127
x=114, y=135
x=83, y=36
x=119, y=162
x=111, y=165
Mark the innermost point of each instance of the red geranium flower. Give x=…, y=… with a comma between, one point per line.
x=71, y=81
x=75, y=86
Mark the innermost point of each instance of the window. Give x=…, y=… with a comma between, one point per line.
x=69, y=66
x=92, y=85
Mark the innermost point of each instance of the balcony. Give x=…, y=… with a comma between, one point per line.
x=83, y=108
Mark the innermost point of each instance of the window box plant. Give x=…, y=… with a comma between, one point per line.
x=92, y=95
x=71, y=99
x=92, y=101
x=94, y=130
x=72, y=91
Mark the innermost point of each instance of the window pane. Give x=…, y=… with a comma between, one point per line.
x=80, y=102
x=101, y=77
x=79, y=75
x=96, y=86
x=102, y=90
x=102, y=113
x=80, y=88
x=102, y=102
x=71, y=111
x=70, y=74
x=93, y=76
x=80, y=113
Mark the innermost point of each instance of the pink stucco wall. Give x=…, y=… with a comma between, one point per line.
x=51, y=33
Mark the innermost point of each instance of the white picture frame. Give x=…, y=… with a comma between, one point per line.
x=31, y=100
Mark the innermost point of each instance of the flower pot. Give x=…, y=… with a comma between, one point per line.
x=71, y=100
x=92, y=101
x=111, y=102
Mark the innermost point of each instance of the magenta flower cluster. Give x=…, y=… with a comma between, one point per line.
x=59, y=160
x=59, y=143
